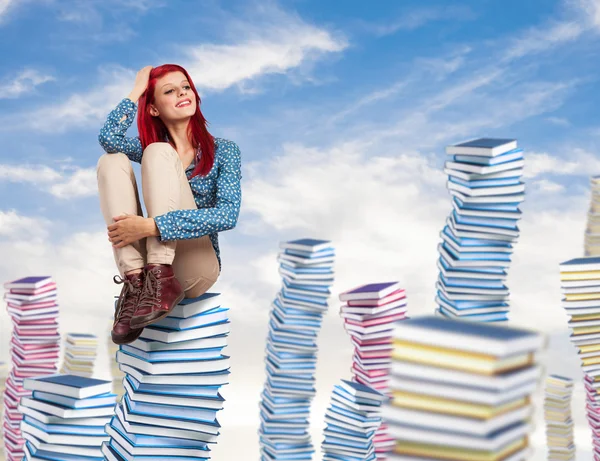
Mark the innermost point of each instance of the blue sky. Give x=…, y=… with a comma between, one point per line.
x=341, y=110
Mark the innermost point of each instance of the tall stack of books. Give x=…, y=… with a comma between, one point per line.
x=65, y=416
x=115, y=372
x=34, y=347
x=592, y=231
x=580, y=286
x=461, y=390
x=3, y=373
x=351, y=421
x=484, y=179
x=306, y=267
x=80, y=354
x=173, y=375
x=557, y=413
x=369, y=314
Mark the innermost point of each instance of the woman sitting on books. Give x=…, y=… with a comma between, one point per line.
x=191, y=189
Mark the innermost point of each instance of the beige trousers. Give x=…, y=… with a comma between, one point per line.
x=165, y=188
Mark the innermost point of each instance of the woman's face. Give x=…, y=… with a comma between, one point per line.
x=174, y=99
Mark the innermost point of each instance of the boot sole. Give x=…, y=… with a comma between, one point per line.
x=146, y=320
x=117, y=339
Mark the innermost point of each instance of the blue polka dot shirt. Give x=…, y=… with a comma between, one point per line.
x=218, y=195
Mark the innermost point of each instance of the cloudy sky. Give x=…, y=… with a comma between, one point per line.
x=341, y=115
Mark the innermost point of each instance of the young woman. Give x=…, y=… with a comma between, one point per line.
x=191, y=189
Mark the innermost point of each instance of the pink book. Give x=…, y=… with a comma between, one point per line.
x=377, y=321
x=40, y=297
x=25, y=323
x=31, y=306
x=394, y=296
x=37, y=332
x=373, y=373
x=34, y=291
x=374, y=354
x=33, y=347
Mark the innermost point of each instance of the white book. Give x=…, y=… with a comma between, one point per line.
x=64, y=412
x=441, y=422
x=166, y=368
x=166, y=336
x=63, y=449
x=188, y=307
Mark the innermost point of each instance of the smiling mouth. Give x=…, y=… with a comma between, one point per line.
x=184, y=103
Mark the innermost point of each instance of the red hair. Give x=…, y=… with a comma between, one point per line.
x=152, y=129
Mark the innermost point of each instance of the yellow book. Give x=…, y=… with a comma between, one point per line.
x=589, y=348
x=581, y=296
x=590, y=360
x=583, y=317
x=582, y=275
x=458, y=360
x=585, y=330
x=457, y=454
x=454, y=407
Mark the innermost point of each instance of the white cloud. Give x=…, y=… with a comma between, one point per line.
x=419, y=17
x=4, y=7
x=25, y=82
x=68, y=183
x=274, y=43
x=14, y=226
x=578, y=162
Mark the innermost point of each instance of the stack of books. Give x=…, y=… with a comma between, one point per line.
x=484, y=179
x=351, y=421
x=557, y=413
x=306, y=267
x=580, y=286
x=592, y=231
x=369, y=314
x=461, y=390
x=64, y=418
x=173, y=375
x=3, y=373
x=80, y=354
x=34, y=347
x=115, y=372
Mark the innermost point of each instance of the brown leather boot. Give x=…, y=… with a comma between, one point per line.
x=160, y=294
x=122, y=333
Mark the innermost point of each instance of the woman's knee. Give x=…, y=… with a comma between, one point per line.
x=158, y=150
x=110, y=162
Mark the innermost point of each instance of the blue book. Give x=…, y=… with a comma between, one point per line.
x=467, y=242
x=314, y=290
x=65, y=428
x=499, y=223
x=510, y=207
x=469, y=304
x=472, y=283
x=488, y=147
x=591, y=263
x=211, y=317
x=511, y=156
x=102, y=400
x=325, y=253
x=305, y=270
x=148, y=441
x=68, y=385
x=483, y=317
x=174, y=356
x=34, y=454
x=174, y=389
x=476, y=184
x=306, y=244
x=477, y=256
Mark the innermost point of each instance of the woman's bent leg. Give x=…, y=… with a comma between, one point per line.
x=196, y=266
x=118, y=193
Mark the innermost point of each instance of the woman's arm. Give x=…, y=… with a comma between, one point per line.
x=188, y=224
x=112, y=135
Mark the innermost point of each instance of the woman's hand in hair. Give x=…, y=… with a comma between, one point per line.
x=128, y=229
x=141, y=83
